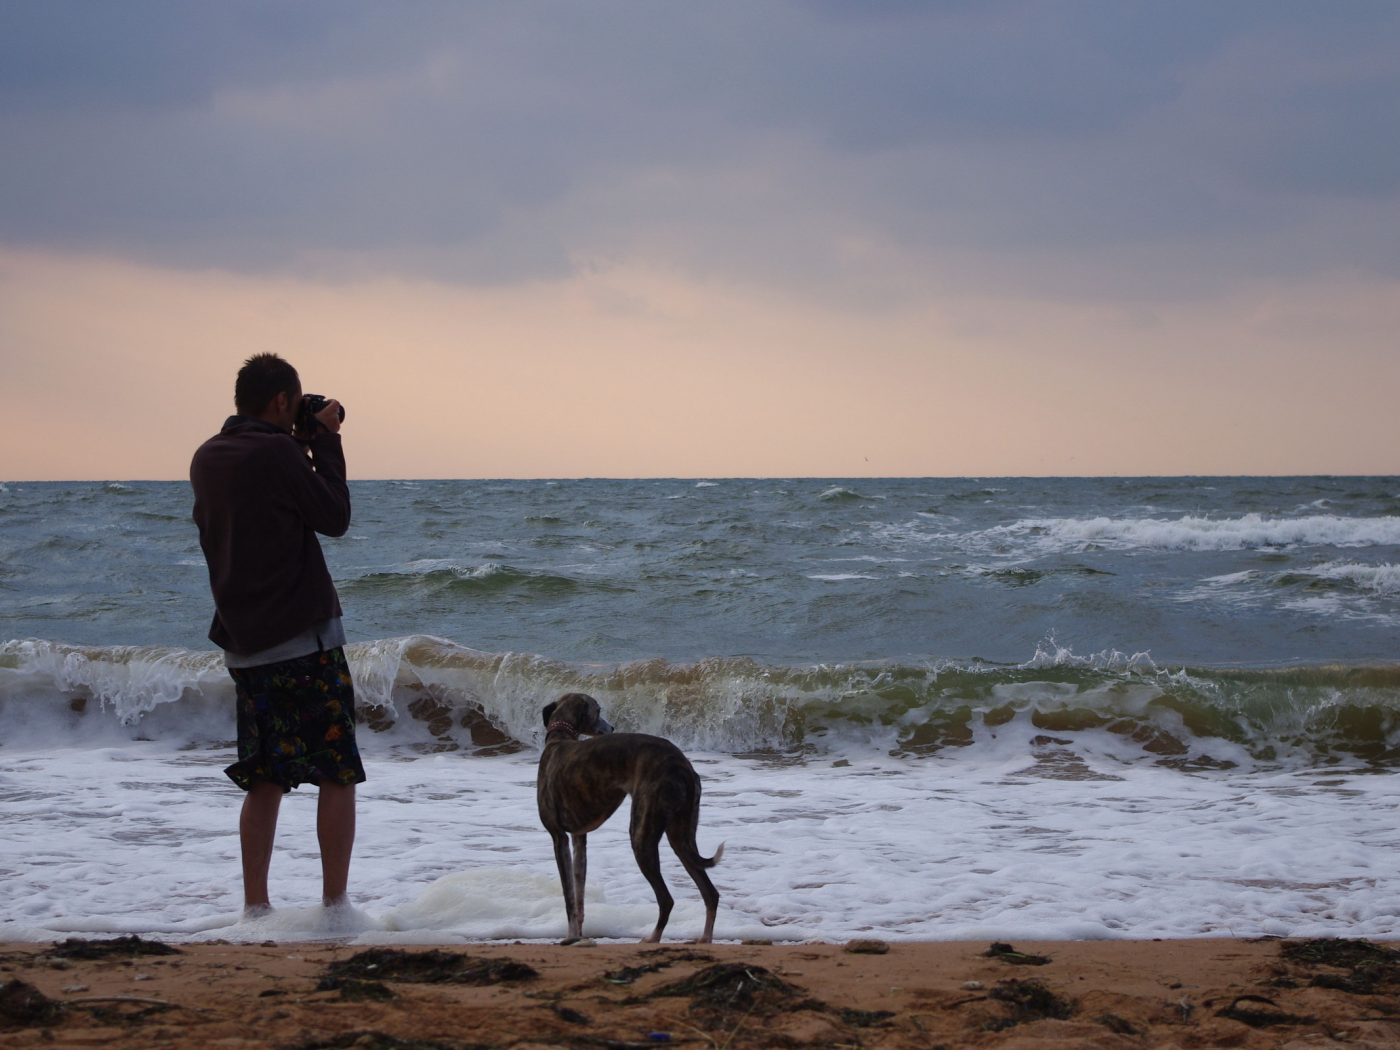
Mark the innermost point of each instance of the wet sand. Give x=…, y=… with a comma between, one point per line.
x=920, y=996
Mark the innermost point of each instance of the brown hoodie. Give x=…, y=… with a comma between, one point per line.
x=259, y=502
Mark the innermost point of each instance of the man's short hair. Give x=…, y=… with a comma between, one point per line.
x=262, y=378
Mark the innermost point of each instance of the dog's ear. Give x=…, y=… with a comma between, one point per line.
x=549, y=711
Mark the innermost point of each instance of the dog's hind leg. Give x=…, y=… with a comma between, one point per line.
x=565, y=860
x=681, y=835
x=646, y=847
x=580, y=877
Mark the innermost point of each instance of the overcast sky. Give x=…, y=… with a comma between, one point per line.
x=824, y=238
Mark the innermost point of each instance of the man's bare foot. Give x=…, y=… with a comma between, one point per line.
x=256, y=911
x=341, y=902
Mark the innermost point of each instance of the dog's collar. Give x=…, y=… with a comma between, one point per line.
x=561, y=727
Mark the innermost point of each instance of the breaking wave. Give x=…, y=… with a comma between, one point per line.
x=446, y=577
x=1248, y=532
x=429, y=694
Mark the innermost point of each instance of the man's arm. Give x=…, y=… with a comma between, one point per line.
x=320, y=496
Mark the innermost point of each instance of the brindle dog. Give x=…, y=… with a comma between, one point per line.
x=581, y=784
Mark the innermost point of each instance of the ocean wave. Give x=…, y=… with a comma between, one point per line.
x=431, y=694
x=1251, y=531
x=1382, y=579
x=446, y=575
x=839, y=494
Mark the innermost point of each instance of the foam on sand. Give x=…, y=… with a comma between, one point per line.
x=1026, y=838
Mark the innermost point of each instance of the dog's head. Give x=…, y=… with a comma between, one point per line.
x=578, y=711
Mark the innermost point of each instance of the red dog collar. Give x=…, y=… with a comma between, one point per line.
x=561, y=727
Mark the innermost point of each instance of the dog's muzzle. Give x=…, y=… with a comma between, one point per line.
x=603, y=727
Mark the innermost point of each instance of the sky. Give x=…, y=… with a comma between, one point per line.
x=751, y=238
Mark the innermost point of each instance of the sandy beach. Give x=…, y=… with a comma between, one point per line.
x=1182, y=993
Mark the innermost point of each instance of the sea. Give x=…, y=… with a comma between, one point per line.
x=933, y=708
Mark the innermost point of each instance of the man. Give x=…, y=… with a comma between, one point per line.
x=259, y=501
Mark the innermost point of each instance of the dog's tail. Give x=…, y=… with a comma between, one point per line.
x=719, y=853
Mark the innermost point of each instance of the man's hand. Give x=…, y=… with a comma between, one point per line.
x=329, y=417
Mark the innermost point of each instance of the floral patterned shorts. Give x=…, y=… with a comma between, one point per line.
x=296, y=723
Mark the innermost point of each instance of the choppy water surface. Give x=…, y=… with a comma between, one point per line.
x=930, y=692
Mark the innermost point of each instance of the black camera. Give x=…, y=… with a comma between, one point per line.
x=306, y=414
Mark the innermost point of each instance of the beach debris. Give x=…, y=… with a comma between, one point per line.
x=74, y=989
x=757, y=942
x=132, y=946
x=1006, y=953
x=1260, y=1017
x=866, y=946
x=659, y=1037
x=145, y=977
x=865, y=1018
x=352, y=989
x=23, y=1004
x=430, y=967
x=583, y=942
x=973, y=986
x=1373, y=967
x=1028, y=1000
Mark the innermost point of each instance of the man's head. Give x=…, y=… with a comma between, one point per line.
x=267, y=388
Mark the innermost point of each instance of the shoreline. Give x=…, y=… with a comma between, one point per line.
x=915, y=996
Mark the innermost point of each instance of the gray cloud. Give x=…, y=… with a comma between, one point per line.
x=1111, y=147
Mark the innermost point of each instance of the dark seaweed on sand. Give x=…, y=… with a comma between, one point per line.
x=570, y=1015
x=1337, y=951
x=730, y=986
x=23, y=1004
x=430, y=967
x=1028, y=1001
x=1374, y=967
x=354, y=990
x=362, y=1040
x=1243, y=1009
x=126, y=947
x=1116, y=1024
x=1006, y=953
x=865, y=1018
x=669, y=957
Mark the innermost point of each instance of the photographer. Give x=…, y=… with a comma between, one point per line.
x=259, y=502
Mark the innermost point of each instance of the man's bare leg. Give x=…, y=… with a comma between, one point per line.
x=257, y=827
x=335, y=830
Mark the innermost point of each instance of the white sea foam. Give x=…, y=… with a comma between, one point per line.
x=1029, y=537
x=1359, y=592
x=142, y=838
x=1229, y=579
x=1383, y=579
x=1208, y=534
x=836, y=576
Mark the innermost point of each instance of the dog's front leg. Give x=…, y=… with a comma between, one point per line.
x=566, y=880
x=580, y=877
